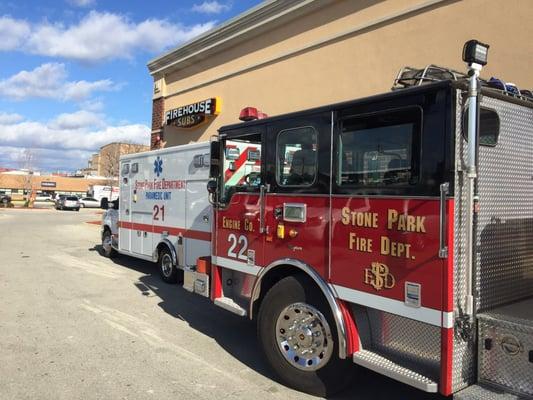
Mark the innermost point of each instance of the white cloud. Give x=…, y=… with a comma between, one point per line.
x=9, y=119
x=66, y=141
x=13, y=33
x=211, y=7
x=77, y=120
x=50, y=81
x=105, y=36
x=82, y=3
x=65, y=133
x=45, y=159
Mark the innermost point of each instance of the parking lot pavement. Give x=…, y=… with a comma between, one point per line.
x=74, y=325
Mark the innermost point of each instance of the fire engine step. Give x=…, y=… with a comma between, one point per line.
x=228, y=304
x=485, y=392
x=386, y=367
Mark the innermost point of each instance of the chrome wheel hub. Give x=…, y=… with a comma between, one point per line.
x=304, y=336
x=166, y=265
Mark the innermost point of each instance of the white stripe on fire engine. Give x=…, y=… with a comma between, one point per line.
x=422, y=314
x=236, y=265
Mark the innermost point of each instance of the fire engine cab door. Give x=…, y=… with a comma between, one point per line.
x=124, y=233
x=239, y=241
x=298, y=201
x=386, y=209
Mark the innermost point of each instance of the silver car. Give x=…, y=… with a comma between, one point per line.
x=89, y=202
x=68, y=203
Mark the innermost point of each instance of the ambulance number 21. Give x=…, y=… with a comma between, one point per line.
x=157, y=212
x=241, y=242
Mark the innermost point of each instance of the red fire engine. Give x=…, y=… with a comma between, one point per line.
x=394, y=232
x=391, y=231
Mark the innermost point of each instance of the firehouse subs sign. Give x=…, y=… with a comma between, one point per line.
x=193, y=114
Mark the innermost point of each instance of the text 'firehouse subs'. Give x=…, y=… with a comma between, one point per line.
x=395, y=221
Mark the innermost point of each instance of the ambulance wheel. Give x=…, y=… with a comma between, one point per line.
x=299, y=338
x=107, y=248
x=167, y=269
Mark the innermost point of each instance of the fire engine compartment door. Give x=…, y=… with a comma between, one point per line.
x=125, y=207
x=297, y=205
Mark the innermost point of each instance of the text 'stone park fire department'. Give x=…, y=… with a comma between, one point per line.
x=394, y=232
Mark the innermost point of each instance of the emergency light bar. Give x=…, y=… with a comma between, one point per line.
x=251, y=113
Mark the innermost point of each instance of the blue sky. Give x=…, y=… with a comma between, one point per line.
x=73, y=73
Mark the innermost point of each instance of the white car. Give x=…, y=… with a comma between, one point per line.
x=43, y=197
x=89, y=202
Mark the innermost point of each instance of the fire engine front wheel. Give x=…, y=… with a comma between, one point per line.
x=167, y=269
x=299, y=338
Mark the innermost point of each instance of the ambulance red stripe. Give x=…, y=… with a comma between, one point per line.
x=174, y=231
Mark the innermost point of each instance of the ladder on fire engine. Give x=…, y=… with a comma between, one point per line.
x=410, y=76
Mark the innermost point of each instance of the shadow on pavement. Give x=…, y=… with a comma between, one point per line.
x=237, y=335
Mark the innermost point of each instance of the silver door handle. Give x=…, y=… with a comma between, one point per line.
x=443, y=221
x=262, y=192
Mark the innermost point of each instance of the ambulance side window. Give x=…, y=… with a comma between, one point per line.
x=297, y=157
x=242, y=165
x=380, y=150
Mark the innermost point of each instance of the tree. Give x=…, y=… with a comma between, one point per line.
x=27, y=161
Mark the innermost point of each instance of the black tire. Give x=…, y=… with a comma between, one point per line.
x=77, y=209
x=107, y=250
x=82, y=205
x=167, y=269
x=335, y=374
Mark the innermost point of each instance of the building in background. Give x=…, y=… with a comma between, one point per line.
x=105, y=163
x=20, y=184
x=284, y=56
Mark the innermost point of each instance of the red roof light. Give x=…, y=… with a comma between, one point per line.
x=251, y=113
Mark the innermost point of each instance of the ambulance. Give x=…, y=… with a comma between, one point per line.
x=394, y=232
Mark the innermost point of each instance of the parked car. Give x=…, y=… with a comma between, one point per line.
x=43, y=197
x=68, y=203
x=89, y=202
x=5, y=199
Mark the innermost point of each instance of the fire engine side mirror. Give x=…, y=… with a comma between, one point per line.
x=104, y=204
x=212, y=186
x=214, y=165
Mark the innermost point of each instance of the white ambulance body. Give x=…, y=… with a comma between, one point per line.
x=99, y=192
x=163, y=204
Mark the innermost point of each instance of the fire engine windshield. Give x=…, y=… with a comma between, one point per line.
x=242, y=165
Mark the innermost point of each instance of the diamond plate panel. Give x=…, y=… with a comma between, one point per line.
x=463, y=359
x=505, y=221
x=479, y=392
x=510, y=369
x=504, y=258
x=412, y=344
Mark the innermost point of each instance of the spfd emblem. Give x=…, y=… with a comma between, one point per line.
x=379, y=277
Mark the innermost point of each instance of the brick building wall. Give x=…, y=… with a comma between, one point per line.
x=158, y=109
